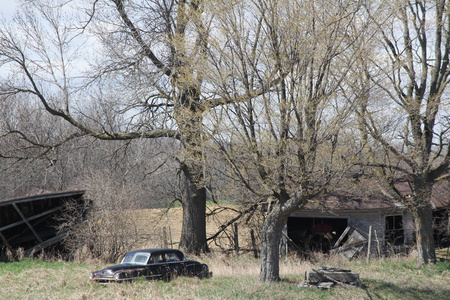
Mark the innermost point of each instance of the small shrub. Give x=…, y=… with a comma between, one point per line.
x=110, y=229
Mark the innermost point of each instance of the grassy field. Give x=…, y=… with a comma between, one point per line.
x=235, y=277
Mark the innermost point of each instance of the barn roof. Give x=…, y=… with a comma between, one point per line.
x=39, y=195
x=370, y=198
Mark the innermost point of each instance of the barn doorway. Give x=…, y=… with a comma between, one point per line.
x=311, y=234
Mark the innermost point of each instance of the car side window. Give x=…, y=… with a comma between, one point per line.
x=157, y=258
x=170, y=256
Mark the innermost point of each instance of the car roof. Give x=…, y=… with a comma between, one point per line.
x=157, y=250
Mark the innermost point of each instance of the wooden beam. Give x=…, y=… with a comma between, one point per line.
x=341, y=237
x=5, y=241
x=28, y=223
x=46, y=243
x=31, y=218
x=42, y=197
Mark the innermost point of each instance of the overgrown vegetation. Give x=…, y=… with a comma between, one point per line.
x=235, y=277
x=110, y=229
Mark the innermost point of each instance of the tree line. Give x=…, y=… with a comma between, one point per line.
x=257, y=101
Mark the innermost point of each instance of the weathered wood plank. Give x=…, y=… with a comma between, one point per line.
x=338, y=242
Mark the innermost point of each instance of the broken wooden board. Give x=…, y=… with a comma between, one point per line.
x=349, y=251
x=354, y=244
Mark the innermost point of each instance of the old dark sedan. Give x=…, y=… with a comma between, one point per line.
x=152, y=264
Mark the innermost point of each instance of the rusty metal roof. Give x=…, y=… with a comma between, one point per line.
x=360, y=199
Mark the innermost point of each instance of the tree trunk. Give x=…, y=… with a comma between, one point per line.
x=423, y=218
x=272, y=232
x=193, y=232
x=270, y=252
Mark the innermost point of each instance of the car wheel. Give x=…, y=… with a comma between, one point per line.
x=204, y=272
x=166, y=276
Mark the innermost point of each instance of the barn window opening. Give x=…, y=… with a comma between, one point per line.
x=441, y=226
x=394, y=234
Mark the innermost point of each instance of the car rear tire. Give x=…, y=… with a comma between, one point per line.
x=204, y=273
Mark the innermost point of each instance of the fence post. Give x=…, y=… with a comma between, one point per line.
x=164, y=237
x=255, y=250
x=236, y=238
x=369, y=244
x=378, y=244
x=170, y=237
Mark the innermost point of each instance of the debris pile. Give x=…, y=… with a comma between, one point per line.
x=325, y=278
x=356, y=241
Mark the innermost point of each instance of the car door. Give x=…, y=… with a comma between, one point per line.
x=174, y=263
x=157, y=267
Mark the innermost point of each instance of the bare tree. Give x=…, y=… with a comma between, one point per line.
x=32, y=159
x=405, y=111
x=28, y=152
x=146, y=84
x=285, y=60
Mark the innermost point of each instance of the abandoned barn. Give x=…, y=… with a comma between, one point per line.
x=342, y=222
x=33, y=222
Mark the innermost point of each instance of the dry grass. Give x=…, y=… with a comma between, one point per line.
x=235, y=277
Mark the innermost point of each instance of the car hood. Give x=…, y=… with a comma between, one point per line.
x=109, y=272
x=120, y=267
x=191, y=261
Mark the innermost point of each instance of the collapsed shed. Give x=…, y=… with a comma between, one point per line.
x=341, y=222
x=33, y=222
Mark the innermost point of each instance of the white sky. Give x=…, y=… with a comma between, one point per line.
x=7, y=8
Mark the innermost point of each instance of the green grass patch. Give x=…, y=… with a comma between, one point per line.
x=383, y=289
x=26, y=264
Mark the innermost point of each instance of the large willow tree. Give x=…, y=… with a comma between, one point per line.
x=285, y=60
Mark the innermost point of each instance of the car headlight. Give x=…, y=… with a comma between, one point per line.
x=91, y=275
x=107, y=272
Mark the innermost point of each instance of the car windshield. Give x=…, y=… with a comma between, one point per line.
x=138, y=258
